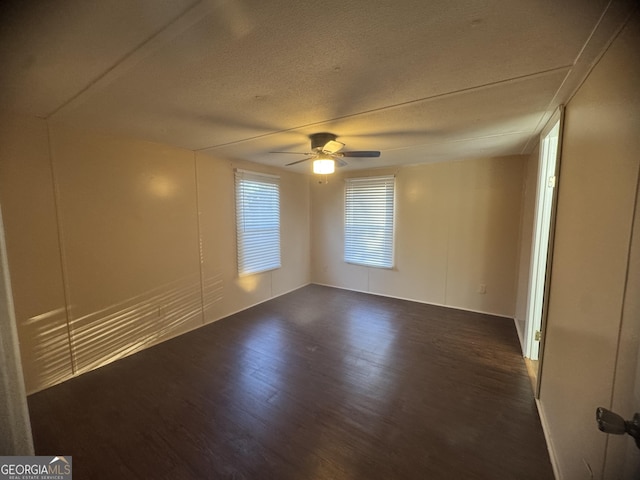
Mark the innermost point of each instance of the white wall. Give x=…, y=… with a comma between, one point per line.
x=115, y=244
x=594, y=315
x=457, y=226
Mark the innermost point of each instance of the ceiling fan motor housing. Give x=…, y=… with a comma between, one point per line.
x=319, y=140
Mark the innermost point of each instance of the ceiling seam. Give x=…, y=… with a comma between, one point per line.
x=171, y=29
x=397, y=105
x=545, y=116
x=593, y=31
x=459, y=140
x=604, y=50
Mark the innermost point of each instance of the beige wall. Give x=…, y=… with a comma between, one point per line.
x=216, y=198
x=105, y=240
x=593, y=306
x=622, y=453
x=526, y=241
x=457, y=226
x=129, y=234
x=30, y=219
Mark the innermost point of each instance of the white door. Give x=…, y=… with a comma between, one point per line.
x=547, y=180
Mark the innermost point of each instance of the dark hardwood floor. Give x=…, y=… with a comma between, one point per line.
x=317, y=384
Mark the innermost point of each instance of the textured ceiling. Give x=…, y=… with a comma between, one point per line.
x=420, y=80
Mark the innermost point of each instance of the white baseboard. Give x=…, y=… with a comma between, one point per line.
x=520, y=334
x=415, y=300
x=549, y=441
x=207, y=322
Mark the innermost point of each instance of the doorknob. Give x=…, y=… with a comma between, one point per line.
x=610, y=422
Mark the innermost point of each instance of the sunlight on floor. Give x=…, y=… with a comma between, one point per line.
x=532, y=370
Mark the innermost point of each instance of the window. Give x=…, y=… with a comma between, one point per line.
x=368, y=221
x=257, y=222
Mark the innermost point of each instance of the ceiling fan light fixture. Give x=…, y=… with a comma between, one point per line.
x=326, y=151
x=324, y=165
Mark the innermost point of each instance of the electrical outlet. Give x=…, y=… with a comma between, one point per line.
x=482, y=289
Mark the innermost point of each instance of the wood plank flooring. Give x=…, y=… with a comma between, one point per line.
x=318, y=384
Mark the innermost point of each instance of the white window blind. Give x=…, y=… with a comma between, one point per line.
x=368, y=221
x=257, y=222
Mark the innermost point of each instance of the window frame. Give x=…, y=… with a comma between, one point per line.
x=378, y=193
x=258, y=247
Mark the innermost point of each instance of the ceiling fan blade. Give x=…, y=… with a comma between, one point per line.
x=332, y=146
x=296, y=153
x=363, y=153
x=341, y=163
x=296, y=162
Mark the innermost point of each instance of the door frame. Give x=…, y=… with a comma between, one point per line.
x=540, y=265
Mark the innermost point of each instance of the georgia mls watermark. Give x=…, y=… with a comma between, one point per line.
x=35, y=468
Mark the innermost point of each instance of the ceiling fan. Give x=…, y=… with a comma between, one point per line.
x=325, y=153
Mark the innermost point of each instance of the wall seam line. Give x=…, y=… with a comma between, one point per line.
x=63, y=262
x=446, y=255
x=199, y=233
